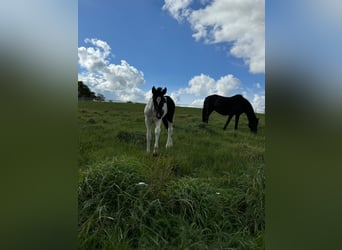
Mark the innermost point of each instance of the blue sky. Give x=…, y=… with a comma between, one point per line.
x=192, y=47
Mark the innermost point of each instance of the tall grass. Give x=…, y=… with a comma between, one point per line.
x=207, y=192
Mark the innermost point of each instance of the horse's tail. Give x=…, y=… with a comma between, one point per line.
x=170, y=112
x=205, y=115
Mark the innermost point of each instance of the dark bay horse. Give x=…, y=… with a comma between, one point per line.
x=235, y=105
x=159, y=108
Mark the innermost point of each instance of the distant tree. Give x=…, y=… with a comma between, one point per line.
x=100, y=98
x=84, y=92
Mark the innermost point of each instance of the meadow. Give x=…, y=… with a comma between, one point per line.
x=206, y=192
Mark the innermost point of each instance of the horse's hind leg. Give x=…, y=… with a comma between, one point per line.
x=228, y=120
x=169, y=135
x=236, y=121
x=148, y=124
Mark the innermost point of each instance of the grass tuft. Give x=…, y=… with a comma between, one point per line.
x=134, y=138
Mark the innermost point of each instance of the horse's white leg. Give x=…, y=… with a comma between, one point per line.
x=157, y=133
x=148, y=124
x=169, y=135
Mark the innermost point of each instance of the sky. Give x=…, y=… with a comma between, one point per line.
x=194, y=48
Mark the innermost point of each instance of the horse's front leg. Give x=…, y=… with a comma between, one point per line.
x=148, y=124
x=157, y=133
x=228, y=120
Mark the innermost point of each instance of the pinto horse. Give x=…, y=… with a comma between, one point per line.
x=235, y=105
x=159, y=108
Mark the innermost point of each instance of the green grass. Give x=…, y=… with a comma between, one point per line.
x=207, y=192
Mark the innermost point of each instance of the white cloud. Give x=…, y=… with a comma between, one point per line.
x=197, y=103
x=203, y=85
x=226, y=84
x=93, y=58
x=258, y=103
x=177, y=8
x=176, y=95
x=119, y=82
x=240, y=23
x=100, y=44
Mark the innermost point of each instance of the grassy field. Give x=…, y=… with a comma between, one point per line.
x=207, y=192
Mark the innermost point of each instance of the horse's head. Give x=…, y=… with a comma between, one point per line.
x=253, y=125
x=159, y=101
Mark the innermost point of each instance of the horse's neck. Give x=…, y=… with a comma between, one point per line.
x=149, y=107
x=250, y=112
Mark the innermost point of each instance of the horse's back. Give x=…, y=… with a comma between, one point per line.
x=224, y=105
x=223, y=99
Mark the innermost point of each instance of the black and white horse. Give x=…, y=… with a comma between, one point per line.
x=235, y=105
x=159, y=108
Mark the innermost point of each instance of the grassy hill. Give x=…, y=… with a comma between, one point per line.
x=207, y=192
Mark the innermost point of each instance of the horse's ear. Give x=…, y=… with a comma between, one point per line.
x=153, y=90
x=164, y=91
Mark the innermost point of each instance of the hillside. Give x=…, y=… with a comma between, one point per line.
x=207, y=192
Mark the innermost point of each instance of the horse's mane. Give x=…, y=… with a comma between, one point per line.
x=159, y=89
x=249, y=109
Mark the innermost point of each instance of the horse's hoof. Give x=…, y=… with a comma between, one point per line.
x=155, y=152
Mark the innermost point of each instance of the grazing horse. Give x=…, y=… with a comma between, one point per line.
x=235, y=105
x=159, y=108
